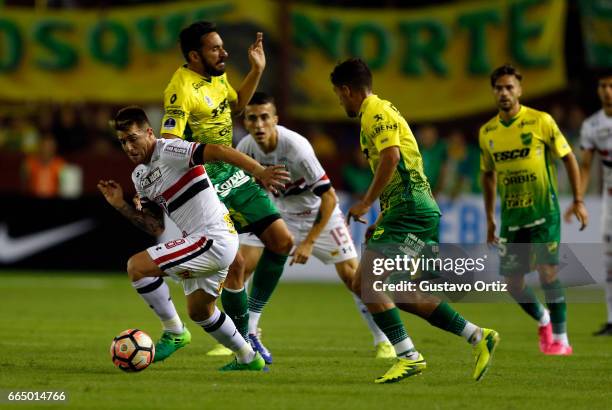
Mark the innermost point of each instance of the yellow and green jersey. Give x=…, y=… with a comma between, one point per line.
x=199, y=108
x=382, y=126
x=522, y=152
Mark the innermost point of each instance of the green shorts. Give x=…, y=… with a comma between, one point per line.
x=399, y=233
x=250, y=208
x=398, y=227
x=522, y=249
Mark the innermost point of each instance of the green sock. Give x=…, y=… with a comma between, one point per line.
x=235, y=304
x=391, y=325
x=528, y=300
x=555, y=300
x=267, y=274
x=446, y=318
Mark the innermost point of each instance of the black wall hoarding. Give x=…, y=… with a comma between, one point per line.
x=60, y=234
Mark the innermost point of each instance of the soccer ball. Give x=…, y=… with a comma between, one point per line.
x=132, y=350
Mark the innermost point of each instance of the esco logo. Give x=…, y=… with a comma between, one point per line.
x=510, y=155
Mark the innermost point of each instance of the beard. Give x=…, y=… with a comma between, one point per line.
x=212, y=70
x=505, y=105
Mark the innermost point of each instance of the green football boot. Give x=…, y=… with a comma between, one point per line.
x=170, y=343
x=257, y=364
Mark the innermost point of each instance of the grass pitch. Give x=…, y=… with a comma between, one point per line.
x=55, y=331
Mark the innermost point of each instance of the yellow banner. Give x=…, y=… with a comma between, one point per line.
x=120, y=55
x=432, y=63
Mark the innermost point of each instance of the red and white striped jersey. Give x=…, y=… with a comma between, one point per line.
x=306, y=173
x=596, y=135
x=181, y=188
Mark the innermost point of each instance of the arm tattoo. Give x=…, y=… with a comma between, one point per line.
x=150, y=220
x=318, y=217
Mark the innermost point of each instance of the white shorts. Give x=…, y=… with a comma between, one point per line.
x=198, y=261
x=334, y=245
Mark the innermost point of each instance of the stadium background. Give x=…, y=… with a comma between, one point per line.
x=67, y=65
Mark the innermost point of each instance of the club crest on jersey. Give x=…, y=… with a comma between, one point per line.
x=161, y=201
x=150, y=178
x=209, y=101
x=526, y=138
x=169, y=124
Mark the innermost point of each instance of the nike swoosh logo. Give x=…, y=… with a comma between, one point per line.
x=15, y=249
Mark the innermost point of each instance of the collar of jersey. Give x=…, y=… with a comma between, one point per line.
x=509, y=123
x=365, y=102
x=191, y=72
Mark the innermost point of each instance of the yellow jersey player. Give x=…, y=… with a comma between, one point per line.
x=199, y=102
x=518, y=148
x=410, y=217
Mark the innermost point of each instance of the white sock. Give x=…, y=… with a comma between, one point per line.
x=609, y=298
x=174, y=325
x=157, y=295
x=471, y=333
x=405, y=348
x=221, y=327
x=561, y=338
x=545, y=319
x=377, y=334
x=253, y=321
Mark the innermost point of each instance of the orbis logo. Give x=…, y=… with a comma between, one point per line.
x=519, y=179
x=510, y=155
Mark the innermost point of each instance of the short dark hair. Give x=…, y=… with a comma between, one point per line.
x=261, y=98
x=128, y=116
x=506, y=69
x=191, y=37
x=353, y=73
x=604, y=73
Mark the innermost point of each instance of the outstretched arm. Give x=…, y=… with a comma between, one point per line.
x=271, y=177
x=150, y=219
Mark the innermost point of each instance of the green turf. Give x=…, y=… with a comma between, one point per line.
x=55, y=331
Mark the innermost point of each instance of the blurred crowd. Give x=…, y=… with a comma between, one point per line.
x=54, y=144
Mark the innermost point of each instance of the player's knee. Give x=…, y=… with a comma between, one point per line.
x=286, y=243
x=235, y=273
x=133, y=270
x=197, y=315
x=282, y=245
x=548, y=275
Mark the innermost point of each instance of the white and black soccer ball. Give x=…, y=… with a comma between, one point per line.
x=132, y=350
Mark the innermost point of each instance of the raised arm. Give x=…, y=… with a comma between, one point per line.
x=257, y=59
